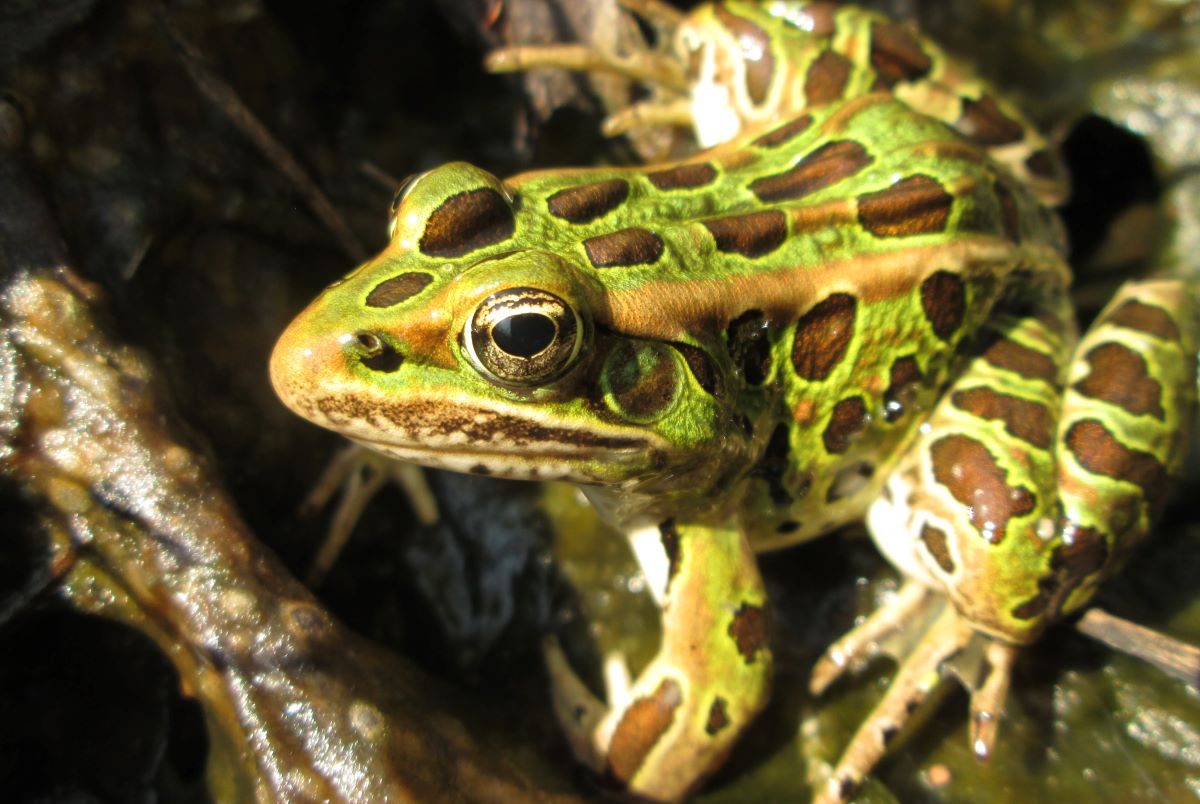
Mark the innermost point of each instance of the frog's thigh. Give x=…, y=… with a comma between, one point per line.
x=1021, y=496
x=676, y=722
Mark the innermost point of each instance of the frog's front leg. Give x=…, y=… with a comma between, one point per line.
x=1029, y=487
x=661, y=735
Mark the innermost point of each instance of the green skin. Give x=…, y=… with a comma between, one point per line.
x=861, y=313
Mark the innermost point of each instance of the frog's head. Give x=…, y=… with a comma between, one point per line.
x=498, y=359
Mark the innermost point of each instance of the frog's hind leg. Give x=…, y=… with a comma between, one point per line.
x=660, y=735
x=1034, y=477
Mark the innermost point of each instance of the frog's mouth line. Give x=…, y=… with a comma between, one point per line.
x=587, y=467
x=515, y=454
x=434, y=427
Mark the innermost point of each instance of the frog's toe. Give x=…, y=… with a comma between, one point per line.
x=921, y=672
x=579, y=712
x=865, y=641
x=987, y=701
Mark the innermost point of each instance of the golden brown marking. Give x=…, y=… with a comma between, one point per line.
x=848, y=419
x=664, y=309
x=683, y=177
x=778, y=136
x=586, y=202
x=916, y=205
x=825, y=80
x=1148, y=318
x=1021, y=360
x=903, y=384
x=896, y=54
x=827, y=165
x=823, y=335
x=1099, y=452
x=1029, y=421
x=970, y=473
x=633, y=246
x=985, y=123
x=643, y=723
x=944, y=300
x=466, y=222
x=750, y=631
x=1118, y=376
x=718, y=717
x=395, y=290
x=936, y=543
x=751, y=235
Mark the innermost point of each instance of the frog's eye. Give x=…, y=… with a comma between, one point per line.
x=523, y=336
x=403, y=190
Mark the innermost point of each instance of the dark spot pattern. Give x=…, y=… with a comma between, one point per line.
x=633, y=246
x=772, y=465
x=1021, y=360
x=642, y=390
x=1098, y=451
x=1070, y=565
x=669, y=536
x=850, y=480
x=587, y=202
x=749, y=344
x=849, y=418
x=937, y=544
x=1032, y=422
x=896, y=54
x=683, y=177
x=700, y=365
x=826, y=78
x=985, y=123
x=754, y=234
x=1043, y=164
x=787, y=526
x=1010, y=214
x=718, y=717
x=749, y=631
x=756, y=53
x=392, y=291
x=1119, y=376
x=1147, y=318
x=904, y=382
x=827, y=165
x=778, y=136
x=481, y=469
x=467, y=222
x=966, y=468
x=944, y=300
x=822, y=336
x=643, y=723
x=917, y=205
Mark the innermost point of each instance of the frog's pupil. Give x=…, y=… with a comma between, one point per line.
x=524, y=334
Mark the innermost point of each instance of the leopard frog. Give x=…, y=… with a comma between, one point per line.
x=850, y=304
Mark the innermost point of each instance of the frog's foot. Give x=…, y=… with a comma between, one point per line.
x=359, y=473
x=942, y=642
x=660, y=735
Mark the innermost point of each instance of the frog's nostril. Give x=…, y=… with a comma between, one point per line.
x=377, y=354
